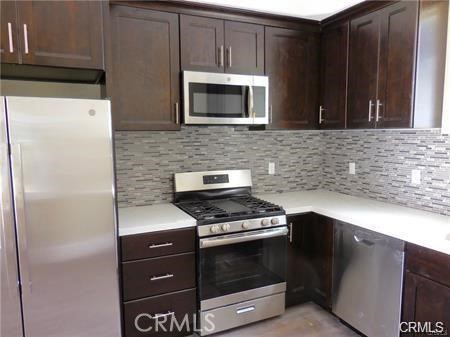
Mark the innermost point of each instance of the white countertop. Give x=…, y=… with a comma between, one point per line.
x=145, y=219
x=426, y=229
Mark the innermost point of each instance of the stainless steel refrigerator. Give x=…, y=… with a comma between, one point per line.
x=58, y=231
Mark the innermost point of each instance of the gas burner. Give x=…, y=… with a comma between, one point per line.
x=228, y=209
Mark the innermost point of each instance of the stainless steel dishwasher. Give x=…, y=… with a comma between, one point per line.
x=367, y=280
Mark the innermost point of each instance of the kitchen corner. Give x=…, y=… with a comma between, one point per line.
x=224, y=168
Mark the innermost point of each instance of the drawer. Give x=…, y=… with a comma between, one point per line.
x=179, y=303
x=428, y=263
x=235, y=315
x=159, y=275
x=141, y=246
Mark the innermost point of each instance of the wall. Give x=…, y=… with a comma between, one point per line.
x=384, y=159
x=146, y=161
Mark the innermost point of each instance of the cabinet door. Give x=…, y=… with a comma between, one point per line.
x=292, y=64
x=9, y=43
x=144, y=79
x=61, y=33
x=202, y=44
x=425, y=301
x=244, y=45
x=333, y=84
x=297, y=266
x=319, y=247
x=397, y=62
x=363, y=71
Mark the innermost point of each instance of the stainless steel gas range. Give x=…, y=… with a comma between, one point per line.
x=241, y=248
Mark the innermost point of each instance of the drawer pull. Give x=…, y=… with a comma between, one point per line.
x=244, y=310
x=160, y=245
x=161, y=277
x=158, y=316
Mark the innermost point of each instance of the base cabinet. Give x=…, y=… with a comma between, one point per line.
x=158, y=283
x=310, y=251
x=426, y=292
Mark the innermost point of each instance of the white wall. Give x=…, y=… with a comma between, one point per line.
x=446, y=104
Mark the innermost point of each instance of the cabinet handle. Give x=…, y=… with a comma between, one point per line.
x=290, y=232
x=160, y=245
x=157, y=316
x=221, y=56
x=11, y=46
x=229, y=56
x=370, y=110
x=161, y=277
x=270, y=114
x=177, y=113
x=25, y=35
x=377, y=115
x=321, y=110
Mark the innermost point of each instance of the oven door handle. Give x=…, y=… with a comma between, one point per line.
x=244, y=237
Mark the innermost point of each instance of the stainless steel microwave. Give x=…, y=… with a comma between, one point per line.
x=214, y=98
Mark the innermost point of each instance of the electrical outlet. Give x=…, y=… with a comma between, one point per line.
x=416, y=178
x=351, y=168
x=271, y=168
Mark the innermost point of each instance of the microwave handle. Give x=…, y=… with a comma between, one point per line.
x=250, y=102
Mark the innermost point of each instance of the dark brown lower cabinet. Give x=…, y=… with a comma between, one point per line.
x=160, y=289
x=177, y=305
x=310, y=252
x=426, y=295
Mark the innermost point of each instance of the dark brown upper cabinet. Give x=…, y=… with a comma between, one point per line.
x=143, y=81
x=202, y=44
x=221, y=46
x=363, y=71
x=244, y=48
x=382, y=66
x=9, y=43
x=395, y=99
x=333, y=76
x=53, y=33
x=292, y=64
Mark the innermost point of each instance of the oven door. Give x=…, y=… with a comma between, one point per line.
x=211, y=98
x=242, y=266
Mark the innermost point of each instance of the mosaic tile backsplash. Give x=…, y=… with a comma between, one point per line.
x=146, y=162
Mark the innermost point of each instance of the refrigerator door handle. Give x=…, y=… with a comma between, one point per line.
x=19, y=206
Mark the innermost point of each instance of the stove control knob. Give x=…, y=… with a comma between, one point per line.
x=275, y=221
x=245, y=225
x=214, y=229
x=225, y=227
x=265, y=222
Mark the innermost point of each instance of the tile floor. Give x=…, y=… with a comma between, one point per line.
x=306, y=320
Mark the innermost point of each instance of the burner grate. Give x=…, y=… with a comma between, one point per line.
x=205, y=210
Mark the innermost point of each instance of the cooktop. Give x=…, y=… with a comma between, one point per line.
x=229, y=209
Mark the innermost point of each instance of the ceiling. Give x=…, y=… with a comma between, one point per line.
x=308, y=9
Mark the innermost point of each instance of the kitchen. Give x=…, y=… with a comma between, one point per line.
x=225, y=168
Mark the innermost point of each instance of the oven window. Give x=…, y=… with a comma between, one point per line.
x=217, y=100
x=242, y=266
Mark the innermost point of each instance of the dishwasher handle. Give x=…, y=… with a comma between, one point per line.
x=362, y=240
